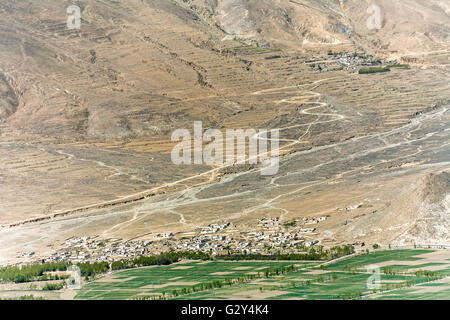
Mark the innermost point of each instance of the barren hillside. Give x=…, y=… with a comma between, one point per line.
x=86, y=116
x=406, y=26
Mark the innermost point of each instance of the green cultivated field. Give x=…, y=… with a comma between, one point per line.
x=378, y=257
x=436, y=291
x=156, y=280
x=345, y=279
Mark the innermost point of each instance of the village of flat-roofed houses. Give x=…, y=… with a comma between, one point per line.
x=268, y=236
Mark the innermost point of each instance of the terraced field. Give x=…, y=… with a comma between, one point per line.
x=438, y=290
x=87, y=116
x=345, y=279
x=156, y=280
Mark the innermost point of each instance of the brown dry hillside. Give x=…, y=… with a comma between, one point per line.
x=137, y=68
x=407, y=26
x=86, y=116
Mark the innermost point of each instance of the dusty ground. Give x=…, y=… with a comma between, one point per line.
x=87, y=117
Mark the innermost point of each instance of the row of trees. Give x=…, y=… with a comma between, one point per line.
x=278, y=271
x=37, y=272
x=221, y=283
x=27, y=273
x=433, y=275
x=25, y=297
x=49, y=277
x=374, y=70
x=90, y=270
x=53, y=286
x=313, y=254
x=160, y=259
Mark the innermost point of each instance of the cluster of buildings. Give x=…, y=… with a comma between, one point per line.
x=91, y=249
x=214, y=228
x=269, y=223
x=314, y=220
x=351, y=61
x=215, y=243
x=345, y=61
x=166, y=235
x=269, y=234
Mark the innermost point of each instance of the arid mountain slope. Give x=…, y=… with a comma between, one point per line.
x=404, y=26
x=138, y=69
x=86, y=115
x=431, y=210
